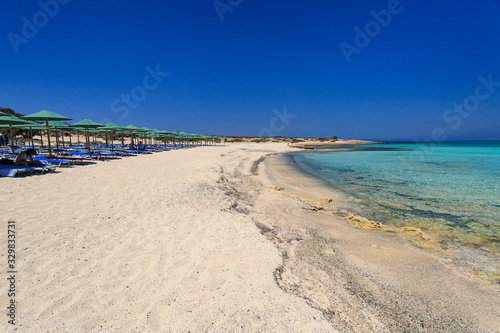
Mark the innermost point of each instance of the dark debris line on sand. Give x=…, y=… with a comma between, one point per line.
x=255, y=166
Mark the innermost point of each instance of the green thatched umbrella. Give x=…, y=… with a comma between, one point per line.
x=111, y=127
x=46, y=115
x=59, y=126
x=133, y=130
x=183, y=136
x=11, y=120
x=87, y=124
x=160, y=134
x=94, y=132
x=118, y=130
x=174, y=135
x=147, y=133
x=31, y=126
x=165, y=135
x=105, y=131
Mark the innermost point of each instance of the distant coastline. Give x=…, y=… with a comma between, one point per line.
x=313, y=144
x=300, y=141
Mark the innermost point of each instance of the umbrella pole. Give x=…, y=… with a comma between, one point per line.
x=48, y=136
x=78, y=137
x=57, y=139
x=41, y=138
x=32, y=141
x=87, y=140
x=12, y=148
x=70, y=144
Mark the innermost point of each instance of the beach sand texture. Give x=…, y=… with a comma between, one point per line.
x=144, y=244
x=194, y=240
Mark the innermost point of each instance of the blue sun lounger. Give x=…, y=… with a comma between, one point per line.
x=91, y=156
x=59, y=162
x=44, y=167
x=136, y=151
x=11, y=170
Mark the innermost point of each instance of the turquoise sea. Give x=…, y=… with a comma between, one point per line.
x=449, y=190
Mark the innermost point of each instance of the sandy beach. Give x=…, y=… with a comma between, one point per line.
x=206, y=239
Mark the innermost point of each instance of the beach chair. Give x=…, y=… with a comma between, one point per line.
x=59, y=162
x=44, y=167
x=90, y=156
x=12, y=170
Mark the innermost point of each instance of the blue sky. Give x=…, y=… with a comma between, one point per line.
x=227, y=76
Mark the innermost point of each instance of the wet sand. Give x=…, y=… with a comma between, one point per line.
x=365, y=278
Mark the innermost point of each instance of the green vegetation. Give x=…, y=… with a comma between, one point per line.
x=278, y=138
x=11, y=112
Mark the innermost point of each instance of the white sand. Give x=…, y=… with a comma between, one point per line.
x=169, y=242
x=141, y=245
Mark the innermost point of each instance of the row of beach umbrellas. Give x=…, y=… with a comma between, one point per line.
x=53, y=121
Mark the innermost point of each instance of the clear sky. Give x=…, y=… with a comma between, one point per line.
x=230, y=63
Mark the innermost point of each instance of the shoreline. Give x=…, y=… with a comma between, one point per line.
x=199, y=240
x=310, y=189
x=324, y=207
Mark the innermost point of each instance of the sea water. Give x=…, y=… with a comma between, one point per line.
x=450, y=190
